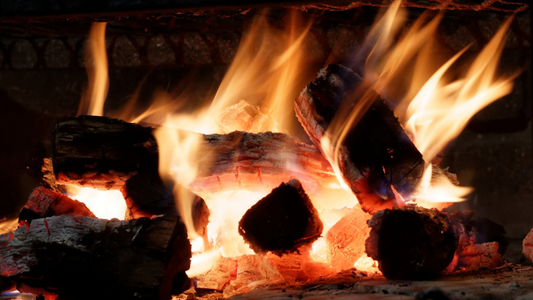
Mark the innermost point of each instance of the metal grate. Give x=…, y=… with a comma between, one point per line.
x=476, y=5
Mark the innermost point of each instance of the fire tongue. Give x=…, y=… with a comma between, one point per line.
x=282, y=221
x=375, y=157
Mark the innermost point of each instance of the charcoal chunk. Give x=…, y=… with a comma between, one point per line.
x=283, y=221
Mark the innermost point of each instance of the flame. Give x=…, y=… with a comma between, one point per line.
x=103, y=204
x=96, y=65
x=267, y=73
x=432, y=107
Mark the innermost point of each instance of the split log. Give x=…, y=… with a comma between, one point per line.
x=45, y=202
x=346, y=239
x=282, y=221
x=88, y=152
x=99, y=259
x=411, y=242
x=376, y=153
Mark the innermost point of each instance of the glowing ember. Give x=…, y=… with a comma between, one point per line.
x=103, y=204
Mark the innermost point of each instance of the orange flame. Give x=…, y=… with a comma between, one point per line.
x=433, y=109
x=96, y=64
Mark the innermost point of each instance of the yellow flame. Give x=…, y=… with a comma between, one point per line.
x=266, y=72
x=96, y=65
x=433, y=108
x=103, y=204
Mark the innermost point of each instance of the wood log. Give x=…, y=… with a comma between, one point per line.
x=99, y=259
x=376, y=154
x=45, y=202
x=283, y=221
x=411, y=242
x=239, y=160
x=101, y=152
x=146, y=195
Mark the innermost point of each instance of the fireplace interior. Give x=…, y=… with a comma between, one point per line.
x=184, y=51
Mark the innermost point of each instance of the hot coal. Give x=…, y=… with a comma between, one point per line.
x=411, y=242
x=282, y=221
x=44, y=202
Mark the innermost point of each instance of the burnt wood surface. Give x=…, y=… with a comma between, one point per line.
x=88, y=258
x=44, y=202
x=282, y=221
x=376, y=153
x=235, y=161
x=146, y=195
x=411, y=242
x=97, y=149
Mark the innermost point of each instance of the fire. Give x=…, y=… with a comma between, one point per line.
x=266, y=74
x=96, y=64
x=103, y=204
x=432, y=107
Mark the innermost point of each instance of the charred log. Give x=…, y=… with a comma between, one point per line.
x=146, y=195
x=411, y=242
x=376, y=153
x=44, y=202
x=282, y=221
x=101, y=152
x=239, y=160
x=138, y=259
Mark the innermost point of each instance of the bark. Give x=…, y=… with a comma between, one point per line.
x=411, y=243
x=376, y=154
x=99, y=259
x=283, y=221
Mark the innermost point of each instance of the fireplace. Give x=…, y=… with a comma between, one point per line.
x=155, y=49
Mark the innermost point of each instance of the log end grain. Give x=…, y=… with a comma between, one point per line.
x=411, y=242
x=282, y=221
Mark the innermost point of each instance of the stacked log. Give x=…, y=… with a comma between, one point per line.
x=82, y=256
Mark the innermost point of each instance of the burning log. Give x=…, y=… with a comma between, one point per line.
x=101, y=153
x=146, y=195
x=376, y=153
x=411, y=242
x=282, y=221
x=82, y=257
x=346, y=239
x=44, y=202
